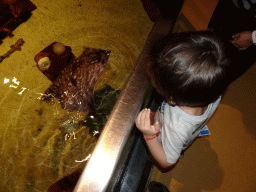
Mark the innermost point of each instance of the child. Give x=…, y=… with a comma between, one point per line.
x=189, y=71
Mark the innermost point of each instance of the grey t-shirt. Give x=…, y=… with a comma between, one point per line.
x=179, y=129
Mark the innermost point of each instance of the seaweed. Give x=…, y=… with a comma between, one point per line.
x=105, y=100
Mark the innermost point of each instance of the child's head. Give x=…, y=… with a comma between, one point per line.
x=189, y=68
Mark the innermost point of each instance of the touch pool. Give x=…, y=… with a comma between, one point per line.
x=40, y=142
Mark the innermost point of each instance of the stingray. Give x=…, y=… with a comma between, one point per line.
x=74, y=86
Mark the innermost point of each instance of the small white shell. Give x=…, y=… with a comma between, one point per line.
x=44, y=63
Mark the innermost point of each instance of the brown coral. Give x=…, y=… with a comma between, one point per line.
x=74, y=86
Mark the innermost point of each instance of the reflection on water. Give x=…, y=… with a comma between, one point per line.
x=40, y=143
x=15, y=84
x=43, y=143
x=38, y=148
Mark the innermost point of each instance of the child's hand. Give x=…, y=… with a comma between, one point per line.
x=242, y=40
x=143, y=124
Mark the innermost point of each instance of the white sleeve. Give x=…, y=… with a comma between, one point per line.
x=173, y=143
x=254, y=37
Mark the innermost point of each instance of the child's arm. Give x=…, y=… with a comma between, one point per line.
x=149, y=131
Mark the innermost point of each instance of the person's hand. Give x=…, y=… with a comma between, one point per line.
x=242, y=40
x=143, y=124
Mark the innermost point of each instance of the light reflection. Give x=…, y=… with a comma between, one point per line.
x=23, y=89
x=15, y=84
x=66, y=137
x=14, y=80
x=88, y=157
x=95, y=132
x=6, y=80
x=40, y=97
x=69, y=135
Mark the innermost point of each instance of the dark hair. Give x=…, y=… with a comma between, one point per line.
x=189, y=68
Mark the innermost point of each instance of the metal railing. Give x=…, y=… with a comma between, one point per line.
x=101, y=166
